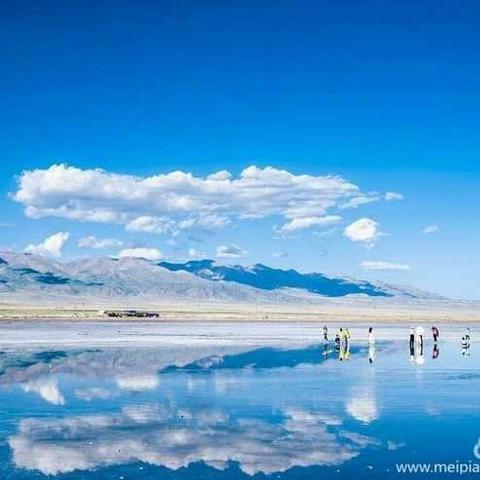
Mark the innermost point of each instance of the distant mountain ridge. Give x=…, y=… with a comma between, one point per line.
x=267, y=278
x=35, y=276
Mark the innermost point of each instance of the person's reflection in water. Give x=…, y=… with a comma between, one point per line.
x=465, y=347
x=371, y=352
x=337, y=342
x=435, y=351
x=419, y=358
x=412, y=347
x=344, y=353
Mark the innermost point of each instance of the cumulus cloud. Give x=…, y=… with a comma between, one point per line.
x=177, y=438
x=430, y=229
x=231, y=251
x=172, y=202
x=309, y=222
x=380, y=265
x=364, y=230
x=141, y=252
x=100, y=243
x=394, y=196
x=51, y=246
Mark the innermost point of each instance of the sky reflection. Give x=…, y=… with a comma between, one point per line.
x=290, y=411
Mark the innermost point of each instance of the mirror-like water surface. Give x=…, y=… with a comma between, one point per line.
x=232, y=402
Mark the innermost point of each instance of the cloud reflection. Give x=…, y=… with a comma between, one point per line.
x=362, y=406
x=177, y=438
x=47, y=388
x=137, y=383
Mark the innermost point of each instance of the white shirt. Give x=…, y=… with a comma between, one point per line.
x=419, y=330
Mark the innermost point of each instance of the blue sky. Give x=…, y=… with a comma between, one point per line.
x=382, y=94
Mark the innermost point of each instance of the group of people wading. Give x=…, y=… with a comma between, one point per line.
x=342, y=343
x=416, y=340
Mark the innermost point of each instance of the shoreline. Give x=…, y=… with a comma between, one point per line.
x=205, y=338
x=368, y=314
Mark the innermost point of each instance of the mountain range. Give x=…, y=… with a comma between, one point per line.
x=30, y=276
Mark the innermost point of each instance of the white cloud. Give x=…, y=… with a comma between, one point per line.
x=430, y=229
x=380, y=265
x=52, y=246
x=152, y=224
x=100, y=243
x=364, y=230
x=141, y=252
x=309, y=222
x=196, y=254
x=360, y=200
x=231, y=251
x=169, y=203
x=394, y=196
x=147, y=223
x=279, y=255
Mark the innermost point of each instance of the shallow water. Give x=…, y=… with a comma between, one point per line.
x=231, y=402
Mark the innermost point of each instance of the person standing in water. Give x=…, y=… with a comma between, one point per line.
x=412, y=340
x=371, y=345
x=371, y=337
x=325, y=334
x=467, y=334
x=347, y=337
x=419, y=331
x=344, y=352
x=436, y=334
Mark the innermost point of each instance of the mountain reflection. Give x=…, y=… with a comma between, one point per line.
x=126, y=363
x=262, y=358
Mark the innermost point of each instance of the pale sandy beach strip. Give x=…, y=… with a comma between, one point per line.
x=330, y=311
